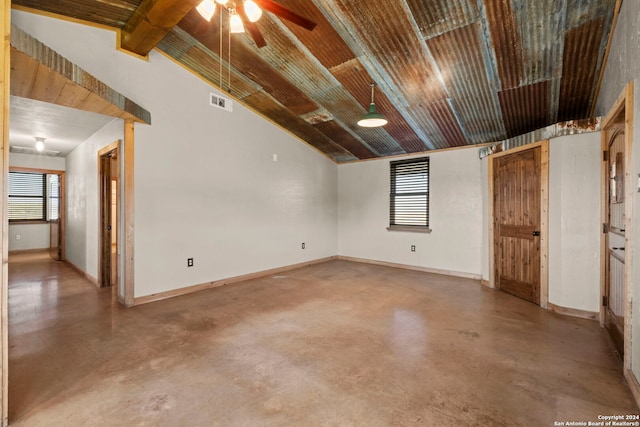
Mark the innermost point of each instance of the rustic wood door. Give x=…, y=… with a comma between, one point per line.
x=517, y=198
x=614, y=295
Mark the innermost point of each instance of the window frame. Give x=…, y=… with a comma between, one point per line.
x=42, y=197
x=45, y=172
x=393, y=207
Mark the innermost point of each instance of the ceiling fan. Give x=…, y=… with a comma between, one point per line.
x=243, y=14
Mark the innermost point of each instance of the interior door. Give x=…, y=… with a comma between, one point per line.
x=106, y=267
x=53, y=215
x=614, y=300
x=517, y=198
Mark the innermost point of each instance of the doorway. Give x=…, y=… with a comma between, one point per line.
x=519, y=194
x=109, y=178
x=614, y=295
x=55, y=207
x=617, y=209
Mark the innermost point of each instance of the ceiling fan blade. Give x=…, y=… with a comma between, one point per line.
x=285, y=13
x=251, y=27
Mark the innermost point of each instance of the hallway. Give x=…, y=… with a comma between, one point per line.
x=337, y=343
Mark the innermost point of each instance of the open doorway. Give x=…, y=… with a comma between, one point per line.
x=109, y=179
x=616, y=254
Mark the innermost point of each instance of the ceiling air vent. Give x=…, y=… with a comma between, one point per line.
x=220, y=102
x=33, y=151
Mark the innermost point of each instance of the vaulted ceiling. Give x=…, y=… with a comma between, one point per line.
x=449, y=73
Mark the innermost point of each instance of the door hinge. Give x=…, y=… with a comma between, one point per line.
x=605, y=228
x=605, y=301
x=605, y=156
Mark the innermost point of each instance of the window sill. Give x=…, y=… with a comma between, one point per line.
x=409, y=228
x=29, y=221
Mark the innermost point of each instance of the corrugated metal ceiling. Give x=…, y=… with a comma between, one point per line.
x=448, y=72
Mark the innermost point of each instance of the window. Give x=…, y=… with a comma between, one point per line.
x=33, y=196
x=409, y=196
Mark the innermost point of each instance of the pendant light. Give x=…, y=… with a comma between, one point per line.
x=372, y=119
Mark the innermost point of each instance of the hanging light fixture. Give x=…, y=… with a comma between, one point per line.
x=207, y=9
x=235, y=22
x=254, y=13
x=372, y=119
x=40, y=143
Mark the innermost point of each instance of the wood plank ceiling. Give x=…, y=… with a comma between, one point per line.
x=449, y=72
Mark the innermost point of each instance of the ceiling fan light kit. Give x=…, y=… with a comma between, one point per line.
x=245, y=13
x=372, y=119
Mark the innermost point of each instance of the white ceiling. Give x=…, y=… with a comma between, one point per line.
x=64, y=128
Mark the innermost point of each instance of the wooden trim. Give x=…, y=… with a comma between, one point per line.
x=104, y=168
x=491, y=217
x=573, y=312
x=412, y=267
x=604, y=215
x=633, y=385
x=84, y=274
x=526, y=147
x=628, y=207
x=36, y=170
x=217, y=283
x=544, y=223
x=607, y=50
x=128, y=217
x=5, y=70
x=485, y=283
x=621, y=114
x=544, y=215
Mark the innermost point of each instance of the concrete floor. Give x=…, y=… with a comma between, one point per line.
x=336, y=344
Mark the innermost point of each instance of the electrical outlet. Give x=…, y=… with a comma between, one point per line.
x=303, y=245
x=413, y=248
x=189, y=262
x=17, y=237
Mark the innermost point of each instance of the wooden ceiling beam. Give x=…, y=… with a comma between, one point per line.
x=151, y=21
x=40, y=73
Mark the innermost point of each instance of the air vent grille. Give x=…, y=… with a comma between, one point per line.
x=30, y=150
x=220, y=102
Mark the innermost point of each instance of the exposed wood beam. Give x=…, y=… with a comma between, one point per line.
x=40, y=73
x=151, y=21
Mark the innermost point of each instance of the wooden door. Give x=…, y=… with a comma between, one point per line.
x=105, y=220
x=517, y=198
x=614, y=296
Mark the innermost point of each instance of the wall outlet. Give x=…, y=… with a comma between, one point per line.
x=303, y=245
x=413, y=248
x=189, y=262
x=17, y=237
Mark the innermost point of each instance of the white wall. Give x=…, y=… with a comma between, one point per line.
x=32, y=236
x=82, y=203
x=574, y=221
x=456, y=214
x=206, y=185
x=622, y=67
x=36, y=162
